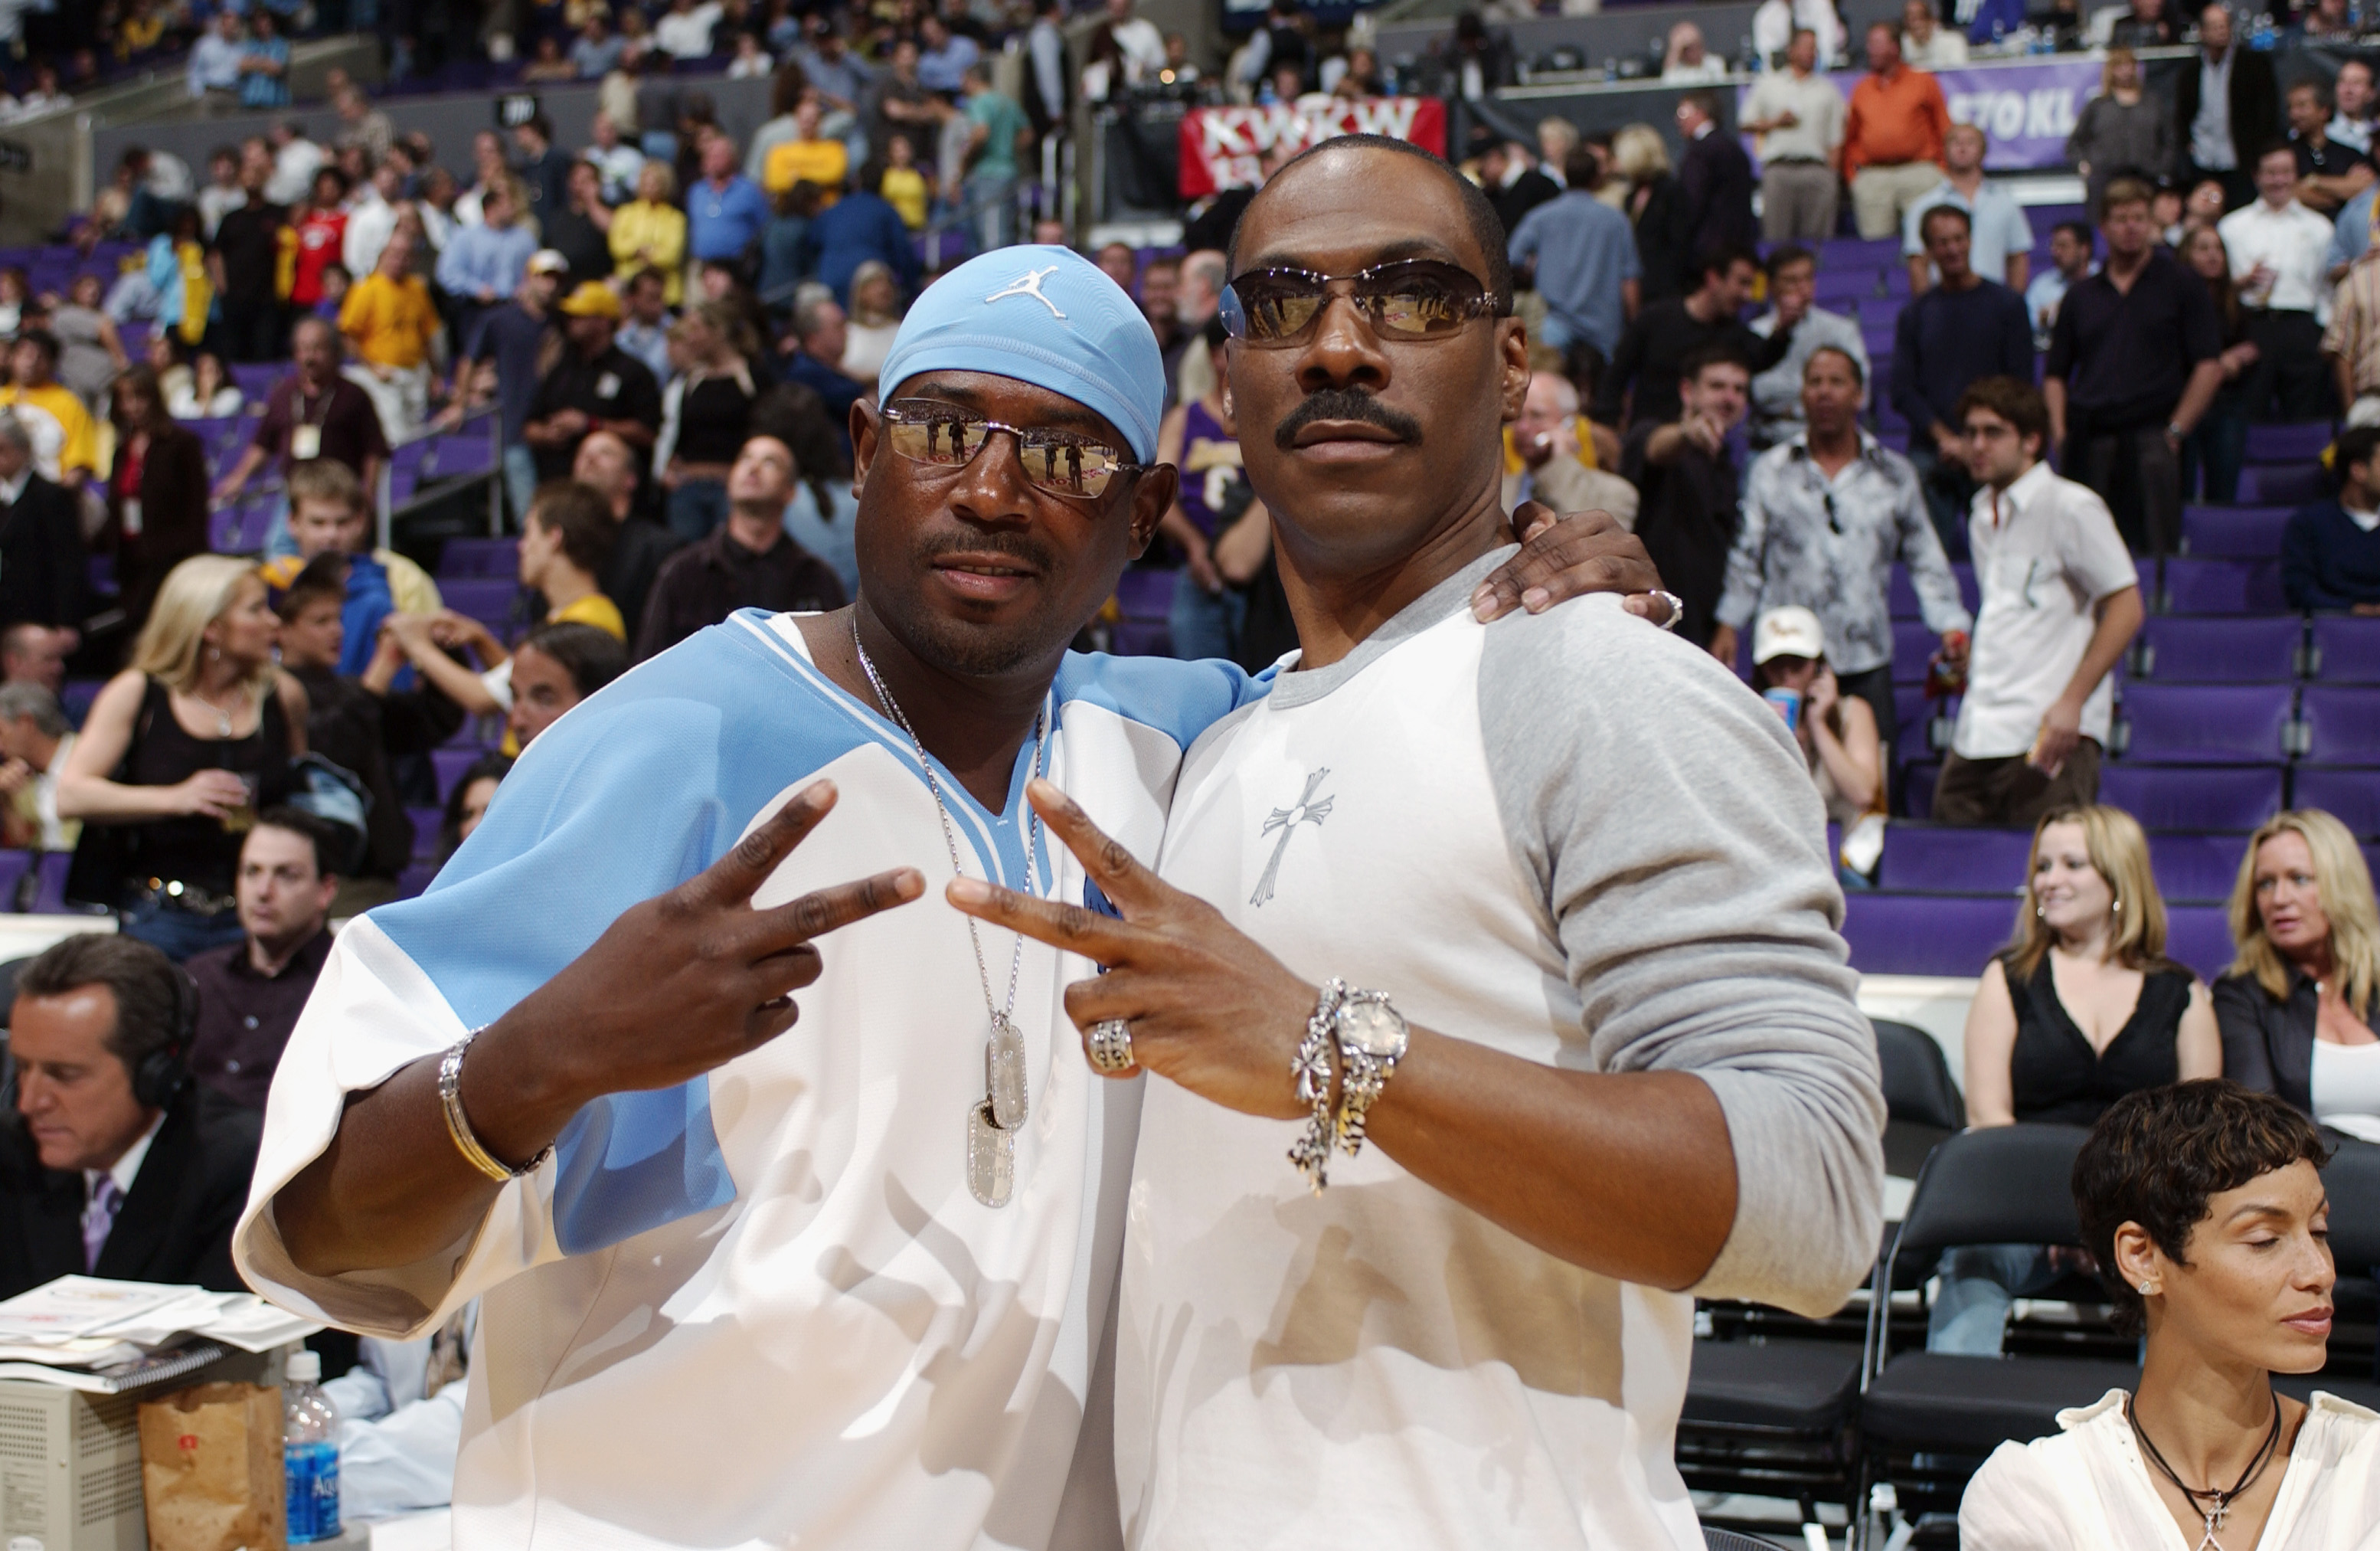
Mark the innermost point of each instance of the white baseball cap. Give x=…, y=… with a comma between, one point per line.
x=1791, y=631
x=548, y=260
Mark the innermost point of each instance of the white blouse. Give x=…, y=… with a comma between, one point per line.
x=2344, y=1086
x=2088, y=1489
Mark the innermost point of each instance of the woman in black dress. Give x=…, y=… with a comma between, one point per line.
x=180, y=752
x=2083, y=1009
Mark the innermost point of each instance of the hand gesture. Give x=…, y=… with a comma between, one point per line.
x=694, y=977
x=208, y=794
x=1824, y=692
x=1569, y=556
x=14, y=776
x=1703, y=431
x=1208, y=1008
x=2061, y=729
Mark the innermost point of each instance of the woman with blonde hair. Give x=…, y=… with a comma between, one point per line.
x=649, y=232
x=2296, y=1008
x=180, y=752
x=1640, y=159
x=2082, y=1008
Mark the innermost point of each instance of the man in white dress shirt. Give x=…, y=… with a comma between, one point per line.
x=2280, y=258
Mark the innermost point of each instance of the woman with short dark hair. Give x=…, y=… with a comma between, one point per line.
x=2204, y=1207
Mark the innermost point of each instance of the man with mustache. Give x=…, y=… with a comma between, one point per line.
x=843, y=1289
x=1541, y=909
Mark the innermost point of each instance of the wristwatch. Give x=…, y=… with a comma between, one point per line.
x=1372, y=1037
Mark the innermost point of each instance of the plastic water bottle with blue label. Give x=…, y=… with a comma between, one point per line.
x=310, y=1452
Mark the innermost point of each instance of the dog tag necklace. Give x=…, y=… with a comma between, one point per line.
x=992, y=1124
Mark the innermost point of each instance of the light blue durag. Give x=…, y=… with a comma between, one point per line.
x=1046, y=317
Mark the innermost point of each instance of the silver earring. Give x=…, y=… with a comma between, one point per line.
x=2147, y=1288
x=2115, y=907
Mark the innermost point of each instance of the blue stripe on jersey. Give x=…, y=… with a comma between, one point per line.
x=644, y=785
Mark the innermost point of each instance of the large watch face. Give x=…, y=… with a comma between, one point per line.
x=1373, y=1028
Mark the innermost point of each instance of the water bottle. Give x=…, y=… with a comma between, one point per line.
x=310, y=1452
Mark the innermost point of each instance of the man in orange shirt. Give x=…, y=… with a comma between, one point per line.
x=1892, y=136
x=390, y=320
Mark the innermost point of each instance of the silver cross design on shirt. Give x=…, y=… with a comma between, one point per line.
x=1028, y=284
x=1286, y=820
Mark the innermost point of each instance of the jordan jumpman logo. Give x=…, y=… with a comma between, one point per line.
x=1028, y=284
x=1286, y=820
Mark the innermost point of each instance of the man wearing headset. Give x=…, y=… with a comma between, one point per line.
x=118, y=1166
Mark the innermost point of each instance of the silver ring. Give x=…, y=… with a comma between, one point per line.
x=1677, y=609
x=1110, y=1046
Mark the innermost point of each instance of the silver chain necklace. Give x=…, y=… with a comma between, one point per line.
x=992, y=1124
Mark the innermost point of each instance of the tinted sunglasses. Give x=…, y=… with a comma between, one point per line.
x=1063, y=462
x=1411, y=299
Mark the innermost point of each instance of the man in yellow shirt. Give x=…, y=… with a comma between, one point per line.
x=390, y=321
x=66, y=445
x=564, y=543
x=808, y=156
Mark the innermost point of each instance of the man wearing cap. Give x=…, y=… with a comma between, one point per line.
x=595, y=385
x=512, y=336
x=842, y=1287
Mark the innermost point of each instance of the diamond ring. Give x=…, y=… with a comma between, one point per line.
x=1110, y=1046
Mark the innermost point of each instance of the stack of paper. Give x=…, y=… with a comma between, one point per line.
x=90, y=1334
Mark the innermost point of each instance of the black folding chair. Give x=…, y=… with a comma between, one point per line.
x=1927, y=1419
x=1770, y=1408
x=1922, y=1103
x=1728, y=1540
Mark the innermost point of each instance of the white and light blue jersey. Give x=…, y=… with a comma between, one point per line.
x=763, y=1309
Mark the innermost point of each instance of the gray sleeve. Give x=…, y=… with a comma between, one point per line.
x=1678, y=842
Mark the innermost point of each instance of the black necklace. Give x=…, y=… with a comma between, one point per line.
x=2213, y=1503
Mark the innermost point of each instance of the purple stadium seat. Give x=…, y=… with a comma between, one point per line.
x=414, y=879
x=1924, y=859
x=1903, y=594
x=1913, y=644
x=426, y=823
x=2342, y=723
x=2282, y=485
x=2200, y=936
x=2179, y=797
x=2196, y=866
x=14, y=865
x=2346, y=649
x=2233, y=532
x=480, y=557
x=2208, y=586
x=1141, y=637
x=449, y=765
x=1924, y=933
x=2287, y=444
x=2350, y=796
x=2174, y=647
x=76, y=695
x=489, y=599
x=1145, y=592
x=454, y=457
x=1917, y=787
x=2206, y=723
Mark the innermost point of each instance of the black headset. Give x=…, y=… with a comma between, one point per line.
x=165, y=1071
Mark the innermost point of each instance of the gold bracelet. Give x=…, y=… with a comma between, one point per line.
x=459, y=1125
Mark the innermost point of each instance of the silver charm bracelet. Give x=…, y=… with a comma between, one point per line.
x=1311, y=1070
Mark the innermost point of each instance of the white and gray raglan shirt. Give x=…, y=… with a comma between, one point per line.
x=1569, y=837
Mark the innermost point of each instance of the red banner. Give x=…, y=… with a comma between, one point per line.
x=1221, y=147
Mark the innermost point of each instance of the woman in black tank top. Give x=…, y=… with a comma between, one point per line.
x=2085, y=1009
x=180, y=752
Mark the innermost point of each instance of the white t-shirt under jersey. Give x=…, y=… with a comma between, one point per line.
x=1581, y=842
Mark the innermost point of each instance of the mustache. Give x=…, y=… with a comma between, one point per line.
x=1348, y=404
x=1020, y=547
